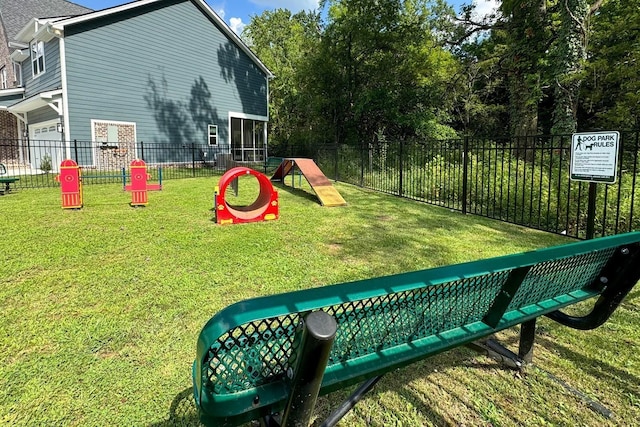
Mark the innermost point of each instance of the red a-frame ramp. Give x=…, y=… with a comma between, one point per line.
x=326, y=192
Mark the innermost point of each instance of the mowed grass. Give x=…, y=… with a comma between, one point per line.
x=101, y=308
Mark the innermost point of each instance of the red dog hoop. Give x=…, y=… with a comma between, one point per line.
x=264, y=208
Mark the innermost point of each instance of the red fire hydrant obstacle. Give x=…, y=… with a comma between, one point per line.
x=139, y=185
x=70, y=184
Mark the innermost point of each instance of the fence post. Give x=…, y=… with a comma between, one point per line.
x=591, y=210
x=75, y=150
x=362, y=160
x=400, y=155
x=141, y=150
x=465, y=173
x=193, y=159
x=335, y=166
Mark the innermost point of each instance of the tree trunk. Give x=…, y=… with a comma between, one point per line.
x=569, y=63
x=526, y=37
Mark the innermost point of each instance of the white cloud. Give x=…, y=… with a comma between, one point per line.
x=217, y=6
x=293, y=5
x=485, y=7
x=237, y=25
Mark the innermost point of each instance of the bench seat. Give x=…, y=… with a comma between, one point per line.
x=246, y=352
x=5, y=184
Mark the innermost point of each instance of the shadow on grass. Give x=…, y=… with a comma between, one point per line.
x=409, y=392
x=598, y=370
x=298, y=192
x=183, y=411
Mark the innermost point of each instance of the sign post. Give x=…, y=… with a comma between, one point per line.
x=594, y=159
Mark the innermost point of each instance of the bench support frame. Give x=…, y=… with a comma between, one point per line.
x=618, y=278
x=317, y=335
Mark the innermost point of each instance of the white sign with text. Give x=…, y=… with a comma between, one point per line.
x=594, y=156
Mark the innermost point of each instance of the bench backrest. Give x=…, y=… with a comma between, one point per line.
x=246, y=351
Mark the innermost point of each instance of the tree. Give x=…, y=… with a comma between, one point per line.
x=526, y=38
x=611, y=90
x=568, y=64
x=384, y=72
x=284, y=42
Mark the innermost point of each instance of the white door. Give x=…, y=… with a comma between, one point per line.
x=46, y=149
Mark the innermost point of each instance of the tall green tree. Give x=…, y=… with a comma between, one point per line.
x=284, y=42
x=568, y=63
x=480, y=89
x=611, y=91
x=527, y=38
x=384, y=71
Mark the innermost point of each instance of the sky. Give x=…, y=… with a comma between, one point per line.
x=237, y=13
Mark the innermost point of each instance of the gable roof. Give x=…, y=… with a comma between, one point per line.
x=201, y=4
x=17, y=13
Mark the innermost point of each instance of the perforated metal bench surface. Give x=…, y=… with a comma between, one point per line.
x=245, y=351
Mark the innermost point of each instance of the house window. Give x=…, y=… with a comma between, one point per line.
x=37, y=57
x=17, y=71
x=3, y=78
x=248, y=140
x=213, y=134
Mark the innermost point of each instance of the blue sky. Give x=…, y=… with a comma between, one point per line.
x=237, y=13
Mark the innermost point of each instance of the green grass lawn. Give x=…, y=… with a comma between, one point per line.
x=101, y=307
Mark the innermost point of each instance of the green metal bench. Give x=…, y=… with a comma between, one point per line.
x=6, y=181
x=275, y=354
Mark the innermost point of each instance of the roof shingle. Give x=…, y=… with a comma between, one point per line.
x=17, y=13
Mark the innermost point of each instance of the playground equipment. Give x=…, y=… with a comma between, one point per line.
x=320, y=184
x=70, y=180
x=264, y=208
x=139, y=185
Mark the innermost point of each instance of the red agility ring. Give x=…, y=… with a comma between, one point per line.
x=264, y=208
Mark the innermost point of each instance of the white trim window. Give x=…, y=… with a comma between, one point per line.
x=248, y=138
x=3, y=78
x=17, y=71
x=37, y=57
x=213, y=134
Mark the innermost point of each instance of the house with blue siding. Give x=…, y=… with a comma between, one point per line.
x=165, y=72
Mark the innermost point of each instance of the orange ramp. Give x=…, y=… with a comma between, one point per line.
x=326, y=192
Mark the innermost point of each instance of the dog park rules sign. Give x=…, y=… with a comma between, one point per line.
x=594, y=156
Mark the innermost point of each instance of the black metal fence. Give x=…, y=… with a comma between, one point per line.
x=523, y=181
x=36, y=163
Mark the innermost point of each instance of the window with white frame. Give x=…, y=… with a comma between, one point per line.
x=248, y=139
x=213, y=134
x=17, y=71
x=3, y=78
x=37, y=57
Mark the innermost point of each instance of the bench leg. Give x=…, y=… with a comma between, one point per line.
x=317, y=339
x=527, y=338
x=348, y=404
x=497, y=352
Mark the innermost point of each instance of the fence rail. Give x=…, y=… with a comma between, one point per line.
x=523, y=181
x=36, y=163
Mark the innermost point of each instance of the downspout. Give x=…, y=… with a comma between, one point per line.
x=266, y=125
x=268, y=78
x=66, y=131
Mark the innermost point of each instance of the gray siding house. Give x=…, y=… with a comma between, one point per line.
x=150, y=71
